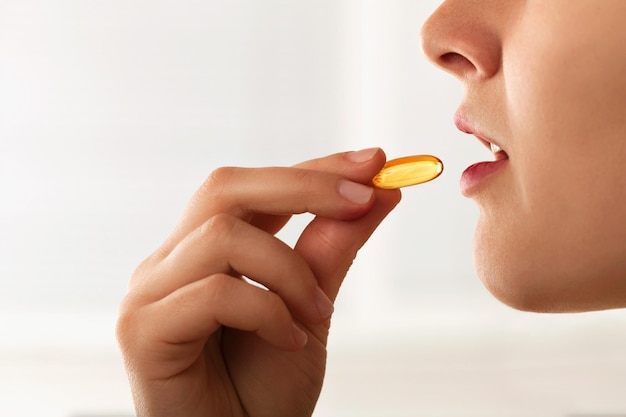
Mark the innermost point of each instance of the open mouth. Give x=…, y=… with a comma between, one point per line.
x=476, y=176
x=465, y=126
x=496, y=150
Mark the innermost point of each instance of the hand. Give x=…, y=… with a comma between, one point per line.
x=198, y=340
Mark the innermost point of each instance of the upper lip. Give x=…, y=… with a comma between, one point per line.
x=464, y=124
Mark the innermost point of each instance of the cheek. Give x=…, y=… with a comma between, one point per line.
x=552, y=234
x=552, y=230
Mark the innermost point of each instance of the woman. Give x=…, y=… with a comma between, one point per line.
x=545, y=90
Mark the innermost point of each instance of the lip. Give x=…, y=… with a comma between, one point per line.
x=475, y=177
x=464, y=125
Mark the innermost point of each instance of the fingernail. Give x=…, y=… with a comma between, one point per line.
x=299, y=336
x=357, y=193
x=362, y=155
x=324, y=305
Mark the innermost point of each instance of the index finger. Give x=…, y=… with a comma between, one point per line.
x=333, y=186
x=358, y=166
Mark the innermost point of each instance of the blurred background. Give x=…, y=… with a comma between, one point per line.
x=113, y=112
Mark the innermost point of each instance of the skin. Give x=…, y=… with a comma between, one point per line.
x=199, y=341
x=543, y=78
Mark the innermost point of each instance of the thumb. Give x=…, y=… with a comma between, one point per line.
x=329, y=246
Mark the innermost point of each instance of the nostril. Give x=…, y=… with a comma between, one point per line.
x=453, y=59
x=456, y=63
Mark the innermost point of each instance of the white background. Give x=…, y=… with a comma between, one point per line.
x=113, y=112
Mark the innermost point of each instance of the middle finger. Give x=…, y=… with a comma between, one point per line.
x=229, y=245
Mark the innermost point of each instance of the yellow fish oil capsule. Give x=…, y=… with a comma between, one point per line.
x=409, y=170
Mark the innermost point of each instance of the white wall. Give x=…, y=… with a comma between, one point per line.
x=113, y=112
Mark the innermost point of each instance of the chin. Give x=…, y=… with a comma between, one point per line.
x=529, y=285
x=535, y=268
x=521, y=277
x=513, y=292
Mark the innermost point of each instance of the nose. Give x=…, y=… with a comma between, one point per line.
x=461, y=37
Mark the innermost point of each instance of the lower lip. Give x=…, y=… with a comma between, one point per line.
x=475, y=176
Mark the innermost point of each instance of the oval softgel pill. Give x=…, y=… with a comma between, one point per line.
x=408, y=170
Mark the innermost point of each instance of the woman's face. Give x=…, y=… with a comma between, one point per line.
x=545, y=80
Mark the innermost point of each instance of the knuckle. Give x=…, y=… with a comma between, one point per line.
x=217, y=180
x=309, y=191
x=330, y=241
x=275, y=308
x=216, y=289
x=218, y=227
x=219, y=190
x=306, y=178
x=143, y=270
x=126, y=324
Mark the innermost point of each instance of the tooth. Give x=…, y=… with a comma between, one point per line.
x=495, y=148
